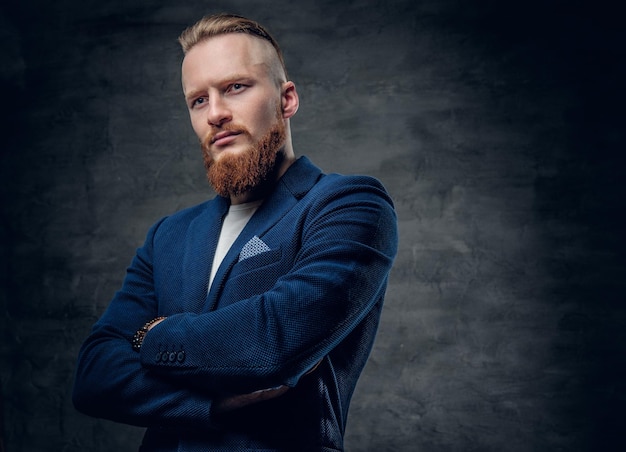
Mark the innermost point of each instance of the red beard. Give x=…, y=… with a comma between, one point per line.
x=235, y=174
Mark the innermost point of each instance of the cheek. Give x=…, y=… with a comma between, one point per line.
x=266, y=116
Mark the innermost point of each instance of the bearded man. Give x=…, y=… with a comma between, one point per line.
x=244, y=322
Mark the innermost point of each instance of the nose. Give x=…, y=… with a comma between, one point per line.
x=218, y=112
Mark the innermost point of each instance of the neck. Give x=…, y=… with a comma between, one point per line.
x=262, y=190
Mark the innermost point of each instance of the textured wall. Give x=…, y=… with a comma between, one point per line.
x=496, y=126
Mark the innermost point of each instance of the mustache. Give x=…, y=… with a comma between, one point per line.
x=210, y=136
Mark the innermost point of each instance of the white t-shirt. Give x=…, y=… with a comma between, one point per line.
x=236, y=219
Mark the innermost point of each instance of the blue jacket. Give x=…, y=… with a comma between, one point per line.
x=304, y=282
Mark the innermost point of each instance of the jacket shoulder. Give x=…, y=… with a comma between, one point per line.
x=357, y=185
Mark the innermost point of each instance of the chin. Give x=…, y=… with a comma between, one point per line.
x=230, y=150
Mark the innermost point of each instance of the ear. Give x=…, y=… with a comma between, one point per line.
x=289, y=100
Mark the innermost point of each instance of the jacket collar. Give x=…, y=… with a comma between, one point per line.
x=301, y=177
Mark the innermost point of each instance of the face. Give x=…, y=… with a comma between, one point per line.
x=250, y=171
x=236, y=109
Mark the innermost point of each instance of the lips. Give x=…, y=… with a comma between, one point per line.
x=224, y=137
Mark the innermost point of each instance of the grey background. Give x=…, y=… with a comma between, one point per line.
x=496, y=126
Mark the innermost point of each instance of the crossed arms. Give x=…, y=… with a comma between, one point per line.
x=346, y=246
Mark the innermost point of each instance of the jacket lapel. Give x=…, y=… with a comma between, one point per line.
x=200, y=248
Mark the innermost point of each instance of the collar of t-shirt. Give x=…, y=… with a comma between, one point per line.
x=236, y=219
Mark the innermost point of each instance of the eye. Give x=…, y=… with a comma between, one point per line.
x=237, y=87
x=199, y=101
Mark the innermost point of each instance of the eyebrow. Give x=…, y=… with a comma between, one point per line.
x=229, y=79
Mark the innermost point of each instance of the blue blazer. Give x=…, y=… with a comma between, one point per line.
x=303, y=283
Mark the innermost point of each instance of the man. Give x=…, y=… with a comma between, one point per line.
x=244, y=322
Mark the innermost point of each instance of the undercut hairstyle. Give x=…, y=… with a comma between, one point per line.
x=221, y=24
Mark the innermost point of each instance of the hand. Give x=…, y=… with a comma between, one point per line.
x=242, y=400
x=239, y=401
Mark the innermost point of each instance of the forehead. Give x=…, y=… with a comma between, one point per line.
x=222, y=55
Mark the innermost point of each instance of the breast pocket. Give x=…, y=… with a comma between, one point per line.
x=257, y=262
x=253, y=276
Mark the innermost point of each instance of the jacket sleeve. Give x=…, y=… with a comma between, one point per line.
x=110, y=381
x=348, y=244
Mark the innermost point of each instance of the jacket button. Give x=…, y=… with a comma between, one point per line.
x=172, y=357
x=164, y=356
x=158, y=356
x=180, y=357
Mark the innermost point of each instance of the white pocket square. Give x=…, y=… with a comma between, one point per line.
x=254, y=246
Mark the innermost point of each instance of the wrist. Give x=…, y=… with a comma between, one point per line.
x=140, y=334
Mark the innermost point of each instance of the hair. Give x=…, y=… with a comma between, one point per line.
x=221, y=24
